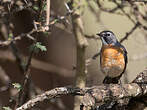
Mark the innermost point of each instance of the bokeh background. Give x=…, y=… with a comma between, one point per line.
x=54, y=68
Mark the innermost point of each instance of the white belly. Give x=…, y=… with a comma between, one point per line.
x=113, y=71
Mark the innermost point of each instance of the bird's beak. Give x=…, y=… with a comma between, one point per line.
x=98, y=34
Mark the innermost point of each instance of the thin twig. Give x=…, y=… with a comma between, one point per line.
x=113, y=10
x=18, y=37
x=8, y=42
x=26, y=81
x=120, y=7
x=130, y=32
x=47, y=15
x=24, y=91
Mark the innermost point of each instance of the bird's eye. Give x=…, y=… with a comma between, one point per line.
x=108, y=34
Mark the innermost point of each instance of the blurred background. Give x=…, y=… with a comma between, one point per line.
x=55, y=67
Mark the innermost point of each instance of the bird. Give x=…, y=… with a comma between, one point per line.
x=113, y=57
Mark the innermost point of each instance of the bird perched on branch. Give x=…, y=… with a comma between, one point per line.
x=113, y=57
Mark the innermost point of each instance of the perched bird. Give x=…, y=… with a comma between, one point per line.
x=113, y=57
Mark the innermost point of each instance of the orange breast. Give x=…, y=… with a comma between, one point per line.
x=112, y=61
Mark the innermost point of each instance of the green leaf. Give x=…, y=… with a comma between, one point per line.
x=44, y=7
x=36, y=8
x=7, y=108
x=40, y=46
x=37, y=47
x=17, y=86
x=10, y=36
x=34, y=48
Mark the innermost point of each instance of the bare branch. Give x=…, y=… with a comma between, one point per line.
x=130, y=32
x=81, y=44
x=50, y=95
x=7, y=42
x=47, y=15
x=26, y=82
x=96, y=94
x=16, y=38
x=113, y=10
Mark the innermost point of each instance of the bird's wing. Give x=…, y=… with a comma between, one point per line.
x=125, y=55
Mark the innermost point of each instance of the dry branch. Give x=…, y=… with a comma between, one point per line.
x=130, y=32
x=16, y=38
x=7, y=42
x=96, y=94
x=114, y=92
x=81, y=44
x=26, y=81
x=49, y=95
x=47, y=15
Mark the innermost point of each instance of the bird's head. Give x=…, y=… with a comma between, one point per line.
x=108, y=37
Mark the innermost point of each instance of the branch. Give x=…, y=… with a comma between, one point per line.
x=26, y=82
x=130, y=32
x=115, y=92
x=50, y=95
x=81, y=44
x=113, y=10
x=47, y=15
x=16, y=38
x=8, y=42
x=42, y=28
x=96, y=94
